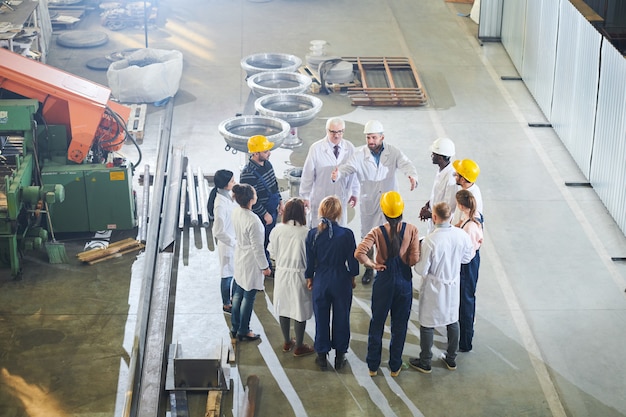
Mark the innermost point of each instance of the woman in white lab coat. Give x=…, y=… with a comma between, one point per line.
x=250, y=262
x=442, y=253
x=220, y=207
x=292, y=298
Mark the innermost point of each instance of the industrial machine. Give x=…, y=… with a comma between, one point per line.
x=72, y=133
x=22, y=196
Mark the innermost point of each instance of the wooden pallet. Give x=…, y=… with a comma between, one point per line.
x=114, y=250
x=386, y=81
x=316, y=85
x=137, y=121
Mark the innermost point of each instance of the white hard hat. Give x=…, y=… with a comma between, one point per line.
x=373, y=126
x=443, y=146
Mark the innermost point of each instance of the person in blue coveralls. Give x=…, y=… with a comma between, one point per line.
x=397, y=250
x=331, y=272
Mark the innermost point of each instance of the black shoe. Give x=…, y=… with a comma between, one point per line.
x=450, y=363
x=420, y=366
x=248, y=337
x=340, y=361
x=321, y=361
x=367, y=276
x=233, y=335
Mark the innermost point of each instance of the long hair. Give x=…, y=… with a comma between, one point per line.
x=394, y=237
x=467, y=199
x=294, y=210
x=330, y=209
x=221, y=179
x=243, y=194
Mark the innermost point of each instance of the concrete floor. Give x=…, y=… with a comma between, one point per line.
x=551, y=308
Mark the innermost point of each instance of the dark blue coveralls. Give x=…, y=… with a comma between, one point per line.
x=467, y=304
x=392, y=291
x=331, y=264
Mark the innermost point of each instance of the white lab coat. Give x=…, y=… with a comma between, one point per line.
x=479, y=203
x=444, y=190
x=287, y=247
x=250, y=260
x=376, y=180
x=442, y=253
x=315, y=182
x=224, y=232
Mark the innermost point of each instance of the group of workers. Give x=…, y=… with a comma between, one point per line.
x=316, y=257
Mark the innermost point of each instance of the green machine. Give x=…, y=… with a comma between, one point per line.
x=22, y=196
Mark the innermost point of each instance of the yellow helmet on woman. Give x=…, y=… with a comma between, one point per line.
x=259, y=143
x=392, y=205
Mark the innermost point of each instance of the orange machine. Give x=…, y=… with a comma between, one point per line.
x=81, y=105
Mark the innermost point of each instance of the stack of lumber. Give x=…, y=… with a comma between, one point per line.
x=114, y=250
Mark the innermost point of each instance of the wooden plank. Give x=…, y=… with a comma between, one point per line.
x=116, y=249
x=137, y=120
x=249, y=403
x=392, y=84
x=213, y=404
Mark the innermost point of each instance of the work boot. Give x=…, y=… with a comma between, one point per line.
x=367, y=276
x=340, y=360
x=321, y=361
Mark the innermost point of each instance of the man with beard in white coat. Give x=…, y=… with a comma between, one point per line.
x=375, y=165
x=442, y=253
x=323, y=157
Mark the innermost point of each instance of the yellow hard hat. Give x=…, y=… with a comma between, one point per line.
x=259, y=143
x=392, y=205
x=467, y=168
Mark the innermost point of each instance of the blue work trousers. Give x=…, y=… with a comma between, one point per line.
x=390, y=292
x=335, y=294
x=467, y=306
x=243, y=303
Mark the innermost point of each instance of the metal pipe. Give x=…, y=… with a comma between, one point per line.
x=182, y=209
x=203, y=199
x=145, y=203
x=167, y=234
x=193, y=201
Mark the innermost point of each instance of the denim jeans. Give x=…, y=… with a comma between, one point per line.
x=225, y=287
x=243, y=303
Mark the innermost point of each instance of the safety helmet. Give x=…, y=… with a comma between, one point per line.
x=259, y=143
x=373, y=126
x=443, y=146
x=392, y=205
x=467, y=168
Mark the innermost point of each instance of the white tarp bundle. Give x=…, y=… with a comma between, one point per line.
x=146, y=76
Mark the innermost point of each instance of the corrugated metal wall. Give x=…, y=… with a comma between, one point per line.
x=490, y=19
x=557, y=53
x=576, y=84
x=513, y=30
x=542, y=22
x=608, y=167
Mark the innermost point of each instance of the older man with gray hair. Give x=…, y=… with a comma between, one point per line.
x=323, y=157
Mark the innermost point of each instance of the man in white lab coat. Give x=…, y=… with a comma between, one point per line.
x=375, y=165
x=444, y=186
x=442, y=253
x=323, y=157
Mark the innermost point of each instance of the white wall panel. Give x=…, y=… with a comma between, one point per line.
x=540, y=52
x=608, y=167
x=513, y=26
x=490, y=21
x=576, y=84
